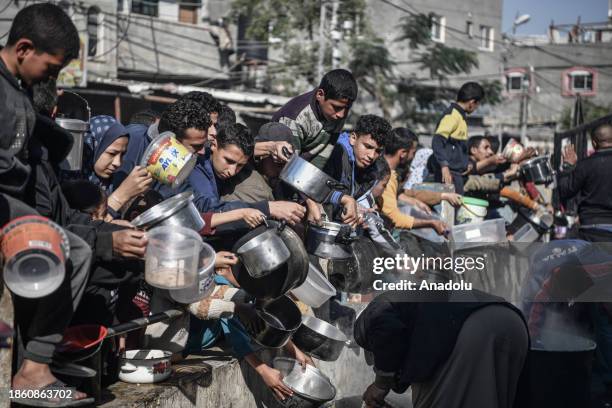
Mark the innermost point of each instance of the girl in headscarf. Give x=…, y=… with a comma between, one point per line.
x=107, y=141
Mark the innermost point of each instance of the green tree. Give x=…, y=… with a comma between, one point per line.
x=590, y=110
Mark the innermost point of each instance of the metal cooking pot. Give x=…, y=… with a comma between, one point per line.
x=542, y=223
x=320, y=339
x=538, y=170
x=329, y=240
x=175, y=211
x=311, y=388
x=281, y=318
x=77, y=128
x=307, y=178
x=355, y=273
x=290, y=275
x=264, y=253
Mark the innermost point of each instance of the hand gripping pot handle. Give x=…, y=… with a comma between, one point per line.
x=286, y=152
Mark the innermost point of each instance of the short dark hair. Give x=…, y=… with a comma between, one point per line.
x=377, y=171
x=474, y=142
x=182, y=115
x=400, y=138
x=469, y=91
x=373, y=125
x=49, y=28
x=603, y=134
x=494, y=140
x=44, y=96
x=239, y=135
x=145, y=117
x=83, y=195
x=339, y=84
x=208, y=102
x=227, y=117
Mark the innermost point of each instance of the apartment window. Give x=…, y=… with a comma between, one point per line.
x=469, y=29
x=515, y=81
x=486, y=38
x=94, y=31
x=437, y=28
x=579, y=80
x=146, y=7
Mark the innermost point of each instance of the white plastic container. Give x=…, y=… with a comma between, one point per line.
x=316, y=289
x=172, y=257
x=204, y=284
x=486, y=233
x=526, y=234
x=428, y=234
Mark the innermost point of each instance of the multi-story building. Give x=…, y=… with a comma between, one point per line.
x=543, y=76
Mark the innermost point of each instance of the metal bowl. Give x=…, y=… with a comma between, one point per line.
x=281, y=318
x=175, y=211
x=311, y=387
x=306, y=178
x=320, y=339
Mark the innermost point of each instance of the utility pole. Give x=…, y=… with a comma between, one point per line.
x=336, y=35
x=524, y=114
x=322, y=17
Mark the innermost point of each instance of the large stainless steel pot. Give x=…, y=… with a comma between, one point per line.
x=311, y=388
x=329, y=240
x=77, y=128
x=176, y=211
x=264, y=253
x=543, y=222
x=281, y=318
x=290, y=275
x=320, y=339
x=308, y=179
x=538, y=170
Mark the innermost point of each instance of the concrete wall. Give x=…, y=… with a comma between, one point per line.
x=385, y=19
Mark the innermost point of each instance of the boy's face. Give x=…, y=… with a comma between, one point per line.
x=365, y=148
x=333, y=109
x=194, y=139
x=35, y=66
x=471, y=106
x=227, y=161
x=483, y=151
x=380, y=186
x=212, y=130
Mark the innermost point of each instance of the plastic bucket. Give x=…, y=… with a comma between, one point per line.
x=35, y=250
x=204, y=284
x=472, y=210
x=168, y=161
x=316, y=289
x=172, y=257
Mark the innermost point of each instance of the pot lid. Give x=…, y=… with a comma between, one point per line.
x=163, y=210
x=73, y=124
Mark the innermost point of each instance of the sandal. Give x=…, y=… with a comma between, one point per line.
x=53, y=400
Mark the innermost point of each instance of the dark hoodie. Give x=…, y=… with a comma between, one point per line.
x=18, y=118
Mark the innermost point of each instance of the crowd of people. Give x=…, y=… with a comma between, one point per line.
x=426, y=342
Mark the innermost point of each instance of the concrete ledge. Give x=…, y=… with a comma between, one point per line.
x=215, y=379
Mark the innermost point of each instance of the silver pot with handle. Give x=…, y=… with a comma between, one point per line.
x=538, y=170
x=78, y=129
x=264, y=253
x=145, y=366
x=306, y=178
x=176, y=211
x=320, y=339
